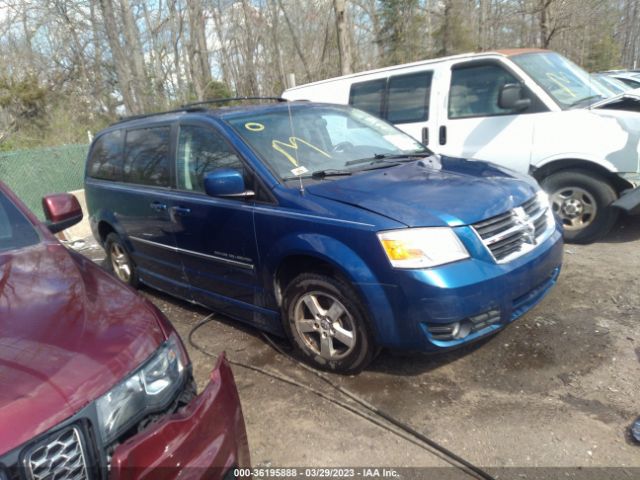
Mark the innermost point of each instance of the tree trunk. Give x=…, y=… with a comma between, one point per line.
x=135, y=56
x=120, y=62
x=344, y=40
x=198, y=52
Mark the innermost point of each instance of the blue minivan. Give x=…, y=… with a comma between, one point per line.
x=322, y=223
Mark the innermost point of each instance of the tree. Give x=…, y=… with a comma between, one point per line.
x=344, y=41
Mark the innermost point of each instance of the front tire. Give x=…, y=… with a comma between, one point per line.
x=326, y=323
x=582, y=201
x=119, y=260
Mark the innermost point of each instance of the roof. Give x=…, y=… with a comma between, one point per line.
x=505, y=52
x=220, y=112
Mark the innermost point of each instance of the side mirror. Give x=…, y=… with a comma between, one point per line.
x=510, y=97
x=226, y=182
x=62, y=210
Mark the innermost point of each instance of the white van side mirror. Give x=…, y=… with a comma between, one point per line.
x=510, y=97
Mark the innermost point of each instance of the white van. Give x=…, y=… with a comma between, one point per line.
x=530, y=110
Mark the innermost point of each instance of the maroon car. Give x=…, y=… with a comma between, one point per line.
x=94, y=380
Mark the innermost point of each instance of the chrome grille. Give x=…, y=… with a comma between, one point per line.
x=514, y=233
x=60, y=457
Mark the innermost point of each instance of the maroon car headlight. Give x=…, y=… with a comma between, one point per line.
x=151, y=388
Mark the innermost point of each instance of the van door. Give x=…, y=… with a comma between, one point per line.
x=215, y=235
x=142, y=208
x=472, y=125
x=403, y=100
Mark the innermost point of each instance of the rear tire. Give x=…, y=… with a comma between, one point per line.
x=327, y=324
x=582, y=201
x=119, y=260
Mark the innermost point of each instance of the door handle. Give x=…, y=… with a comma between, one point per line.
x=181, y=211
x=158, y=207
x=442, y=137
x=425, y=135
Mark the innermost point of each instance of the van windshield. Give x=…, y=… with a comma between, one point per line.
x=303, y=139
x=568, y=84
x=15, y=230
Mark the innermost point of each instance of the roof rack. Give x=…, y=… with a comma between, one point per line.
x=234, y=99
x=196, y=107
x=146, y=115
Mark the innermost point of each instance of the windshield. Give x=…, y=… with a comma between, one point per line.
x=15, y=230
x=616, y=86
x=569, y=85
x=306, y=139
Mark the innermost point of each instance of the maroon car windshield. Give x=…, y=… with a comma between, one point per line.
x=15, y=229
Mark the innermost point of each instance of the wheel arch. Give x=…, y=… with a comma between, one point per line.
x=618, y=183
x=316, y=253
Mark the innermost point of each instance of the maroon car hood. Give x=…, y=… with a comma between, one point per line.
x=68, y=333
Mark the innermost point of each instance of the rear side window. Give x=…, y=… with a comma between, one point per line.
x=408, y=97
x=474, y=91
x=200, y=151
x=147, y=156
x=105, y=161
x=368, y=96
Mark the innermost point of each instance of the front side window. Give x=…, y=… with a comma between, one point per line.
x=304, y=139
x=475, y=89
x=105, y=161
x=147, y=156
x=368, y=96
x=200, y=151
x=15, y=230
x=408, y=97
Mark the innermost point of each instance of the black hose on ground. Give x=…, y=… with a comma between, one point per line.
x=405, y=431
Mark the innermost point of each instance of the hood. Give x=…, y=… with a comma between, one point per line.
x=450, y=192
x=629, y=100
x=68, y=333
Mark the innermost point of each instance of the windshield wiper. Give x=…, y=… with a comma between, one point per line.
x=383, y=157
x=330, y=172
x=585, y=99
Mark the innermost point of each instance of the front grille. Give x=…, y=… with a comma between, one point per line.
x=60, y=457
x=516, y=232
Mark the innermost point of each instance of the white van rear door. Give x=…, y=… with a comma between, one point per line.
x=472, y=125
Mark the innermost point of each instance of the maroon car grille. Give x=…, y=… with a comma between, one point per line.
x=60, y=457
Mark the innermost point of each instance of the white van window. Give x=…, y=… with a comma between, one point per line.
x=568, y=84
x=408, y=97
x=368, y=96
x=474, y=91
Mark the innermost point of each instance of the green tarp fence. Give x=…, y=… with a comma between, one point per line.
x=31, y=174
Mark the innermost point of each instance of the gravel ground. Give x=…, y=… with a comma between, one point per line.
x=558, y=388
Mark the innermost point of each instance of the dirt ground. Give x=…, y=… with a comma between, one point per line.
x=557, y=388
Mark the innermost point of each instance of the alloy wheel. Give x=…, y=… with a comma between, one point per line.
x=325, y=325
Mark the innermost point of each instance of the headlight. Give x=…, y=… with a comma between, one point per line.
x=543, y=199
x=422, y=247
x=149, y=389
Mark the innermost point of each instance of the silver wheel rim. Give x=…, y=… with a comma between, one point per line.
x=324, y=325
x=120, y=262
x=575, y=206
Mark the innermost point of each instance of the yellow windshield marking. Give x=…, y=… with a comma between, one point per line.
x=279, y=146
x=558, y=80
x=254, y=126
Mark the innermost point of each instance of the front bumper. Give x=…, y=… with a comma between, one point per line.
x=206, y=439
x=477, y=292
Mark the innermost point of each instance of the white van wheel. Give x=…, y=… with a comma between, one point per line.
x=582, y=201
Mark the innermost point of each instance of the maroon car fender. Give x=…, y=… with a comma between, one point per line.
x=204, y=440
